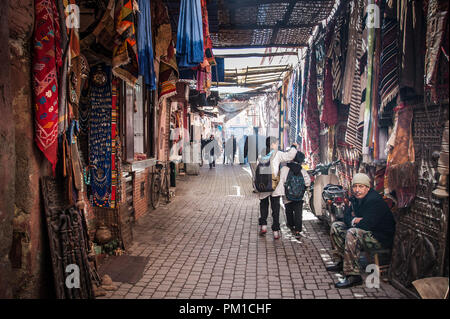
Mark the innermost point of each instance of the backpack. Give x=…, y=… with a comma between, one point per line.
x=294, y=187
x=264, y=181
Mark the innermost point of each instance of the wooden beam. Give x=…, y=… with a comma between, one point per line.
x=233, y=27
x=254, y=55
x=250, y=46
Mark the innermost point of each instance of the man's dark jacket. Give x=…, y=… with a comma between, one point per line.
x=376, y=217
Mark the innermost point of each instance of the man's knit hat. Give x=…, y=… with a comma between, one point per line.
x=361, y=178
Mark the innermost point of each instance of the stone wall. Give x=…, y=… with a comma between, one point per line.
x=29, y=231
x=7, y=158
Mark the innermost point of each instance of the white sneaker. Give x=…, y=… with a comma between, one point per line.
x=276, y=234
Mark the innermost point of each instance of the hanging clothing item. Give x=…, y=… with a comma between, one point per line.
x=190, y=49
x=436, y=16
x=401, y=174
x=389, y=59
x=100, y=130
x=125, y=54
x=144, y=44
x=46, y=61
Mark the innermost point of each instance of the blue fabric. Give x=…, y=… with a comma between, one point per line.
x=190, y=34
x=145, y=46
x=220, y=74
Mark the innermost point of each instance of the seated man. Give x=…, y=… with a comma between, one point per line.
x=368, y=224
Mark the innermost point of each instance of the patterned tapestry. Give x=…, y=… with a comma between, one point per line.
x=100, y=135
x=47, y=58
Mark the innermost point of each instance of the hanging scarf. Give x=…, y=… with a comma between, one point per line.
x=190, y=49
x=144, y=44
x=47, y=58
x=125, y=55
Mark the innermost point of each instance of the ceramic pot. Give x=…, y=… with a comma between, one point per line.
x=103, y=234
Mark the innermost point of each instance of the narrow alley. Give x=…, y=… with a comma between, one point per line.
x=205, y=244
x=224, y=150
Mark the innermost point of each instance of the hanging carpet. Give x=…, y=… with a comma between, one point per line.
x=47, y=58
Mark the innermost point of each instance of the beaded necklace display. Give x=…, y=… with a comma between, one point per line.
x=100, y=135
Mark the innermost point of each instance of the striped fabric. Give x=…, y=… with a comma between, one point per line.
x=335, y=54
x=352, y=135
x=389, y=62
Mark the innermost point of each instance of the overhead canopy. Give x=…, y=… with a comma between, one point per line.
x=262, y=23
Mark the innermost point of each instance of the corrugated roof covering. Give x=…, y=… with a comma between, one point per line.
x=262, y=23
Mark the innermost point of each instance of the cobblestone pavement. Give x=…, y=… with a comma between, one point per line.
x=205, y=244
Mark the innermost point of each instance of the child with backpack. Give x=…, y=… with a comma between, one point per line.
x=267, y=184
x=294, y=180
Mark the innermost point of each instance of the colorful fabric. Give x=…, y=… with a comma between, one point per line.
x=312, y=115
x=100, y=130
x=168, y=74
x=351, y=55
x=352, y=135
x=46, y=60
x=207, y=42
x=190, y=48
x=115, y=140
x=144, y=43
x=401, y=174
x=389, y=61
x=335, y=54
x=125, y=53
x=329, y=114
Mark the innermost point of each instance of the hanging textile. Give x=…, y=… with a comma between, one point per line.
x=190, y=49
x=293, y=101
x=389, y=60
x=161, y=27
x=46, y=60
x=125, y=54
x=329, y=114
x=168, y=74
x=335, y=53
x=320, y=70
x=368, y=100
x=144, y=43
x=312, y=114
x=352, y=135
x=351, y=56
x=207, y=42
x=100, y=135
x=436, y=16
x=412, y=33
x=401, y=174
x=115, y=145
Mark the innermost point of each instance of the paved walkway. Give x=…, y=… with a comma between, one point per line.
x=205, y=244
